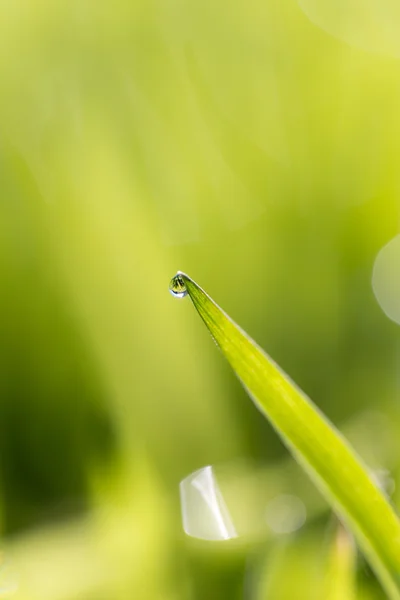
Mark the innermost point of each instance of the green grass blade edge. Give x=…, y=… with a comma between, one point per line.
x=315, y=443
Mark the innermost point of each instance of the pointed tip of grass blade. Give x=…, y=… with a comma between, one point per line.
x=313, y=440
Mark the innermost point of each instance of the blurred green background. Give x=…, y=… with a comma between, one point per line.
x=254, y=145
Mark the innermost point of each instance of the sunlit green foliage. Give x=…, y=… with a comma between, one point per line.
x=235, y=140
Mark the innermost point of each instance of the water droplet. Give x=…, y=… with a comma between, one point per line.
x=204, y=513
x=177, y=286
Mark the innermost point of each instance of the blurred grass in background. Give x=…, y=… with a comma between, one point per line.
x=239, y=142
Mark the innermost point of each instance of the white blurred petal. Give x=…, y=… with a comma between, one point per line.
x=204, y=512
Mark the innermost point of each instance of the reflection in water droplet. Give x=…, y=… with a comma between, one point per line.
x=177, y=286
x=285, y=514
x=204, y=512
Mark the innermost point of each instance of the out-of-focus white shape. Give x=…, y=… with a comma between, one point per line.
x=204, y=512
x=386, y=279
x=285, y=514
x=373, y=25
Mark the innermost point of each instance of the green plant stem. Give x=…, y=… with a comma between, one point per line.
x=315, y=443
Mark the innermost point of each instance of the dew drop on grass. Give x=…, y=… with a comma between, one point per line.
x=177, y=286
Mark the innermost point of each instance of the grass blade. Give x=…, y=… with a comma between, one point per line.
x=312, y=439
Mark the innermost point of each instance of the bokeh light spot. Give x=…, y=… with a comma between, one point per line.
x=386, y=280
x=372, y=26
x=285, y=514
